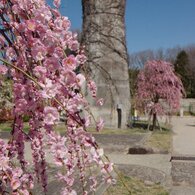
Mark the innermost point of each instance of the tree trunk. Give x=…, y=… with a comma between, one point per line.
x=154, y=120
x=104, y=39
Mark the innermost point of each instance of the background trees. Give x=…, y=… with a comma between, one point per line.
x=158, y=89
x=185, y=69
x=182, y=58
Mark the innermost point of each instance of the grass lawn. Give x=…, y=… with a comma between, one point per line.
x=7, y=126
x=136, y=186
x=161, y=140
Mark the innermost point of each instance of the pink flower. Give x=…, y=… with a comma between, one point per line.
x=24, y=192
x=92, y=87
x=3, y=69
x=43, y=14
x=49, y=89
x=52, y=63
x=11, y=54
x=40, y=71
x=94, y=183
x=107, y=168
x=38, y=51
x=21, y=106
x=62, y=23
x=2, y=40
x=80, y=79
x=4, y=163
x=17, y=172
x=69, y=77
x=100, y=102
x=68, y=192
x=81, y=58
x=100, y=124
x=51, y=115
x=87, y=120
x=41, y=47
x=15, y=183
x=57, y=3
x=58, y=52
x=73, y=45
x=31, y=25
x=70, y=62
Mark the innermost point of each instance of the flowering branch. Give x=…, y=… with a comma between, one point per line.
x=46, y=56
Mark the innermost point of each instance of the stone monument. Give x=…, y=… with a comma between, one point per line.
x=104, y=38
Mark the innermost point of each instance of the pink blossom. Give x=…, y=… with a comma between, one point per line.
x=58, y=52
x=107, y=167
x=11, y=54
x=57, y=3
x=39, y=51
x=3, y=69
x=15, y=183
x=70, y=62
x=100, y=102
x=158, y=88
x=62, y=23
x=2, y=40
x=49, y=89
x=81, y=58
x=51, y=115
x=43, y=14
x=21, y=106
x=100, y=124
x=87, y=120
x=24, y=192
x=68, y=192
x=52, y=63
x=41, y=45
x=74, y=45
x=31, y=25
x=80, y=79
x=92, y=87
x=40, y=71
x=4, y=163
x=94, y=183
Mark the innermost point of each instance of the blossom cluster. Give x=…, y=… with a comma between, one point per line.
x=19, y=181
x=159, y=89
x=43, y=57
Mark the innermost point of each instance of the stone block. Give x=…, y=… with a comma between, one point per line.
x=183, y=172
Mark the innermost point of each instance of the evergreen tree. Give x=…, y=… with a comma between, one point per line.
x=181, y=66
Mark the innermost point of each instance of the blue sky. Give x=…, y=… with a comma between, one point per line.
x=150, y=24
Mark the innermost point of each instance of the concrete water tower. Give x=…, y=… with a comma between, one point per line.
x=104, y=38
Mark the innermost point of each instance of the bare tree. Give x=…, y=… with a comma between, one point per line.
x=138, y=59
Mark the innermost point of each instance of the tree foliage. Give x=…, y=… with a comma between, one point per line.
x=183, y=69
x=138, y=59
x=158, y=89
x=133, y=73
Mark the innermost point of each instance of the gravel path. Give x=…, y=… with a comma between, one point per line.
x=183, y=171
x=184, y=136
